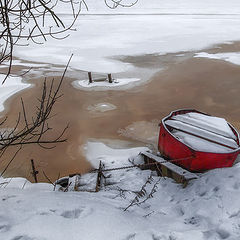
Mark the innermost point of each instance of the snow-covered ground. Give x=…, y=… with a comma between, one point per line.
x=208, y=208
x=11, y=86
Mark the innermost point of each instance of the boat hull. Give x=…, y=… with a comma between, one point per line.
x=197, y=161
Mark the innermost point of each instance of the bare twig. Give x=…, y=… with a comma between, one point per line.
x=143, y=193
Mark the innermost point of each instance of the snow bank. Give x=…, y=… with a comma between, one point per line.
x=208, y=208
x=232, y=57
x=96, y=151
x=11, y=86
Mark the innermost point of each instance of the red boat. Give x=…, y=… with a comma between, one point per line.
x=197, y=141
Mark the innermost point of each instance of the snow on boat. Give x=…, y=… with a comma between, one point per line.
x=197, y=141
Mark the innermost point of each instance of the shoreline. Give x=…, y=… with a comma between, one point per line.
x=205, y=84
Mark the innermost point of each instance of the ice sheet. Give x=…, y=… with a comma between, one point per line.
x=99, y=38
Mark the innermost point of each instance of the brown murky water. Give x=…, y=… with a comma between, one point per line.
x=207, y=85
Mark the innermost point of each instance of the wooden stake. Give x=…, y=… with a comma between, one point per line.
x=90, y=77
x=99, y=177
x=110, y=78
x=34, y=172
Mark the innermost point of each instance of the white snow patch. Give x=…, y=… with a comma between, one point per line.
x=117, y=84
x=232, y=57
x=96, y=151
x=26, y=64
x=11, y=86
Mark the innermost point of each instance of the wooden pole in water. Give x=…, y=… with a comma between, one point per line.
x=110, y=78
x=34, y=172
x=90, y=77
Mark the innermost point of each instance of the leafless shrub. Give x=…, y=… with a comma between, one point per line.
x=34, y=127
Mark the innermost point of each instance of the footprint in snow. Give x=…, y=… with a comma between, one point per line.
x=4, y=224
x=4, y=198
x=4, y=228
x=155, y=237
x=22, y=238
x=236, y=214
x=202, y=193
x=236, y=185
x=72, y=214
x=216, y=189
x=193, y=220
x=223, y=234
x=130, y=236
x=180, y=211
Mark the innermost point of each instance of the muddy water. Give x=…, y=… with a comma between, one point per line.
x=207, y=85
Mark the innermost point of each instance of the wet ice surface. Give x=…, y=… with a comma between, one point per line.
x=101, y=107
x=208, y=208
x=143, y=131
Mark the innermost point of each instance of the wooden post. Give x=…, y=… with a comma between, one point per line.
x=34, y=172
x=90, y=77
x=99, y=177
x=110, y=78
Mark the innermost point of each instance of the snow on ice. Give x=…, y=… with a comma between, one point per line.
x=232, y=57
x=117, y=84
x=11, y=86
x=168, y=27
